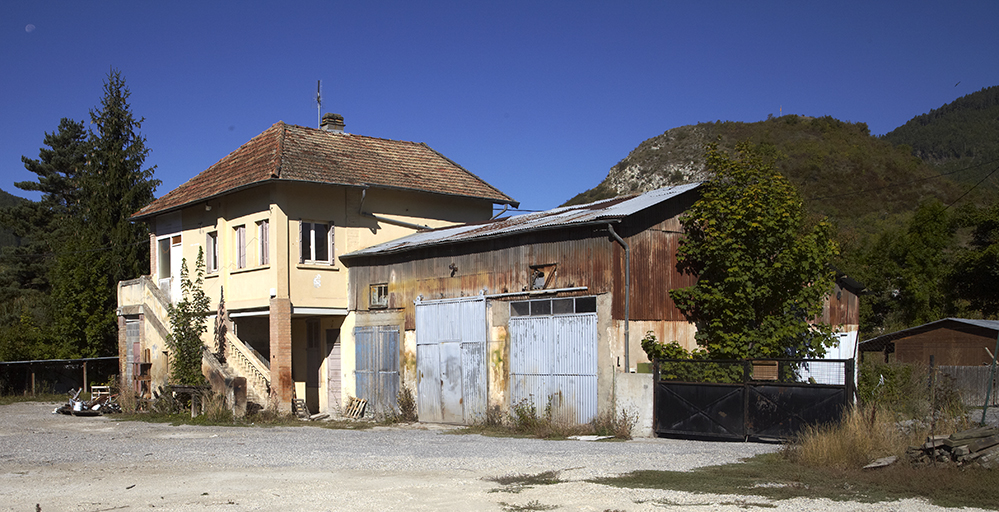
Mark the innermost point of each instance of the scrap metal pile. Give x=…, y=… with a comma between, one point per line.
x=100, y=404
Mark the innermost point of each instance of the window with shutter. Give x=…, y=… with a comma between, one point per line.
x=240, y=247
x=263, y=237
x=212, y=252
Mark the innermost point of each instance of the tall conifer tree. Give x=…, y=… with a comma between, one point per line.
x=108, y=248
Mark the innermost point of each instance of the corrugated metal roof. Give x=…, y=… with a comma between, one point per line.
x=608, y=210
x=879, y=342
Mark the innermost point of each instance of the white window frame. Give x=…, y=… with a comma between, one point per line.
x=263, y=242
x=378, y=296
x=307, y=229
x=212, y=252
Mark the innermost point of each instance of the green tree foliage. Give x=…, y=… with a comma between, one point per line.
x=906, y=268
x=107, y=247
x=960, y=139
x=41, y=226
x=7, y=237
x=762, y=273
x=187, y=319
x=27, y=268
x=975, y=274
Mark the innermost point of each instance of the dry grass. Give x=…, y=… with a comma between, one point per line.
x=862, y=436
x=524, y=420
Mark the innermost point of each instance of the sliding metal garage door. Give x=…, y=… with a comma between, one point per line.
x=451, y=360
x=553, y=356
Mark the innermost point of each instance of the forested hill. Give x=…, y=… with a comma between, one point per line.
x=6, y=237
x=842, y=171
x=960, y=139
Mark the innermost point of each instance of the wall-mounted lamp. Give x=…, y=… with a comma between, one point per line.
x=208, y=207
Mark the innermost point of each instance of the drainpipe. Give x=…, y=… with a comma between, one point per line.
x=627, y=295
x=505, y=206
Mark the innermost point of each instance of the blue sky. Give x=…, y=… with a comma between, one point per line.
x=540, y=99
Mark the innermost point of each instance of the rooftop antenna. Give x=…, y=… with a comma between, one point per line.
x=319, y=103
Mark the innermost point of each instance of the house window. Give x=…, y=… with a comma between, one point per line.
x=263, y=241
x=212, y=252
x=240, y=246
x=379, y=296
x=163, y=258
x=316, y=243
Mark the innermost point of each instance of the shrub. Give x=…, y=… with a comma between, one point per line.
x=407, y=405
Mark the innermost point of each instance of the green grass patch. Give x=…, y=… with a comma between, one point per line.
x=518, y=482
x=775, y=477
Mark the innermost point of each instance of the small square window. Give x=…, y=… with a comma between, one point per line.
x=586, y=305
x=562, y=307
x=522, y=308
x=379, y=296
x=541, y=307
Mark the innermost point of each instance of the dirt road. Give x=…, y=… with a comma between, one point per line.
x=64, y=463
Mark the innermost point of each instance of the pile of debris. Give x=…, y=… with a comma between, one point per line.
x=976, y=446
x=99, y=404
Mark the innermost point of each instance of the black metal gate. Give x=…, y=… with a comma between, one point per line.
x=759, y=399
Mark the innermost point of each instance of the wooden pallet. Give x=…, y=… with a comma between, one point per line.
x=299, y=408
x=355, y=407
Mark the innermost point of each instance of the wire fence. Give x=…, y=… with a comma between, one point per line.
x=55, y=375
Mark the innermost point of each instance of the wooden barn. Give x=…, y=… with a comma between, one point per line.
x=951, y=342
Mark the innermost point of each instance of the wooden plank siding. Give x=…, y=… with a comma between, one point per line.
x=958, y=346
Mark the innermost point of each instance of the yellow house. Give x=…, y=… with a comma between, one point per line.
x=272, y=218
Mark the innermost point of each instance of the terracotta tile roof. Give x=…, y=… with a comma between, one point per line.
x=286, y=152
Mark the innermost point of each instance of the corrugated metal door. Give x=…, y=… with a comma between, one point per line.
x=377, y=366
x=451, y=360
x=553, y=360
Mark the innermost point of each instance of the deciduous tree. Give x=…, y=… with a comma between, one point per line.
x=187, y=319
x=762, y=273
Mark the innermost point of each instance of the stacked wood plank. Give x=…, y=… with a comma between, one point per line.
x=976, y=446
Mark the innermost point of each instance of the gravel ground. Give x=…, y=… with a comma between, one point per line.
x=95, y=463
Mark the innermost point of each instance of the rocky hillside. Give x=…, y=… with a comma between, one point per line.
x=842, y=171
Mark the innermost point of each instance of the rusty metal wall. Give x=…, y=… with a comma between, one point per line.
x=585, y=256
x=842, y=307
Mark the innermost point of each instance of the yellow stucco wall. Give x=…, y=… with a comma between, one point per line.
x=321, y=286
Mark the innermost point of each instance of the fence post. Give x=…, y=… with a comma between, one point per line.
x=992, y=379
x=85, y=377
x=851, y=389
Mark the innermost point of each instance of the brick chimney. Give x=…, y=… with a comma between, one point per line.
x=332, y=123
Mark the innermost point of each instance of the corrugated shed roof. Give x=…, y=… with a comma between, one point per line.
x=608, y=210
x=296, y=153
x=879, y=342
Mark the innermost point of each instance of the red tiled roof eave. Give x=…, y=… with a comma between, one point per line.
x=298, y=154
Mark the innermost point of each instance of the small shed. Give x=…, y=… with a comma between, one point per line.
x=951, y=342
